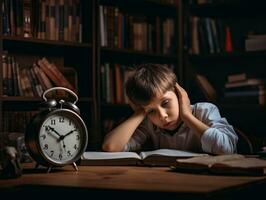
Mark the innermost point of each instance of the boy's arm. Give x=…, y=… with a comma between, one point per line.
x=119, y=136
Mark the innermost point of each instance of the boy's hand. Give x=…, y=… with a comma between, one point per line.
x=135, y=107
x=184, y=102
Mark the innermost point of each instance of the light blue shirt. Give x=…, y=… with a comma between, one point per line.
x=220, y=138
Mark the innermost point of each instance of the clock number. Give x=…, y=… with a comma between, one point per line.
x=75, y=146
x=43, y=136
x=77, y=137
x=52, y=121
x=51, y=153
x=60, y=156
x=61, y=119
x=45, y=146
x=69, y=153
x=70, y=123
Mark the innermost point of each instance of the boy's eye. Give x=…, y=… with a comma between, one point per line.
x=165, y=103
x=150, y=112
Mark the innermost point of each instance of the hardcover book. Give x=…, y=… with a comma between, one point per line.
x=222, y=164
x=207, y=88
x=160, y=157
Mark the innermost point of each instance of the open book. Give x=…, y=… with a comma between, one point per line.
x=223, y=164
x=160, y=157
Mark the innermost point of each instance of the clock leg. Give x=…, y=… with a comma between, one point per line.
x=49, y=169
x=75, y=166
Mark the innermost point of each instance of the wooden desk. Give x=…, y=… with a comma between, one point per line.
x=123, y=182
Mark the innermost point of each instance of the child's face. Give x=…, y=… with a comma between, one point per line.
x=163, y=110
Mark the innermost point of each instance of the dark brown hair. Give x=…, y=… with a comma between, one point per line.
x=147, y=81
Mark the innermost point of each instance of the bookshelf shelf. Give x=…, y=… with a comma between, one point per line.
x=20, y=99
x=22, y=40
x=34, y=99
x=228, y=56
x=139, y=54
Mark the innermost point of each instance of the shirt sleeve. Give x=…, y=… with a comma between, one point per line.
x=220, y=138
x=139, y=137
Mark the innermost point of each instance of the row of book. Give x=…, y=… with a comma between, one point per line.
x=43, y=19
x=240, y=88
x=21, y=118
x=32, y=80
x=113, y=79
x=209, y=36
x=120, y=30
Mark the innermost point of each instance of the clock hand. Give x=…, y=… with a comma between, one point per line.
x=70, y=132
x=52, y=129
x=64, y=146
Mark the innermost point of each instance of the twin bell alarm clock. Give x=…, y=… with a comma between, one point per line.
x=57, y=136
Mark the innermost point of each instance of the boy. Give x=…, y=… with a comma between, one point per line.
x=164, y=116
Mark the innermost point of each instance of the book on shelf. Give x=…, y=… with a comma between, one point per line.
x=254, y=94
x=255, y=43
x=250, y=81
x=159, y=157
x=236, y=77
x=206, y=87
x=52, y=71
x=233, y=164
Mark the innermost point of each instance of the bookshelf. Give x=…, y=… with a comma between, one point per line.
x=145, y=31
x=215, y=53
x=84, y=47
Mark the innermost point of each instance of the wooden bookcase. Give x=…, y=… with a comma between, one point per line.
x=145, y=37
x=87, y=55
x=243, y=19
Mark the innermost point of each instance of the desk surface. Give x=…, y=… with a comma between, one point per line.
x=132, y=179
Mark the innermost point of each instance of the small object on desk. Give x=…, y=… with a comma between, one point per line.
x=11, y=166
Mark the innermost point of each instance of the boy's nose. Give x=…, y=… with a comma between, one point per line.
x=163, y=115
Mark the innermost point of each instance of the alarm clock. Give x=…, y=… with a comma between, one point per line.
x=57, y=135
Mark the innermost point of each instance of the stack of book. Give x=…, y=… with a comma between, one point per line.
x=32, y=81
x=239, y=88
x=255, y=43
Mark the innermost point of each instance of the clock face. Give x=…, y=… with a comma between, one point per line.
x=62, y=137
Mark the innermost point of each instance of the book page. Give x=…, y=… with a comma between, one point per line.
x=169, y=152
x=243, y=163
x=92, y=155
x=210, y=160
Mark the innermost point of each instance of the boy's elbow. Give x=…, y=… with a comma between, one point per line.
x=108, y=147
x=225, y=150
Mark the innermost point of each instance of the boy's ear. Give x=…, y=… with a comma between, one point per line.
x=176, y=92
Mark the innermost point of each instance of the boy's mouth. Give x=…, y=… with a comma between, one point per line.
x=168, y=125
